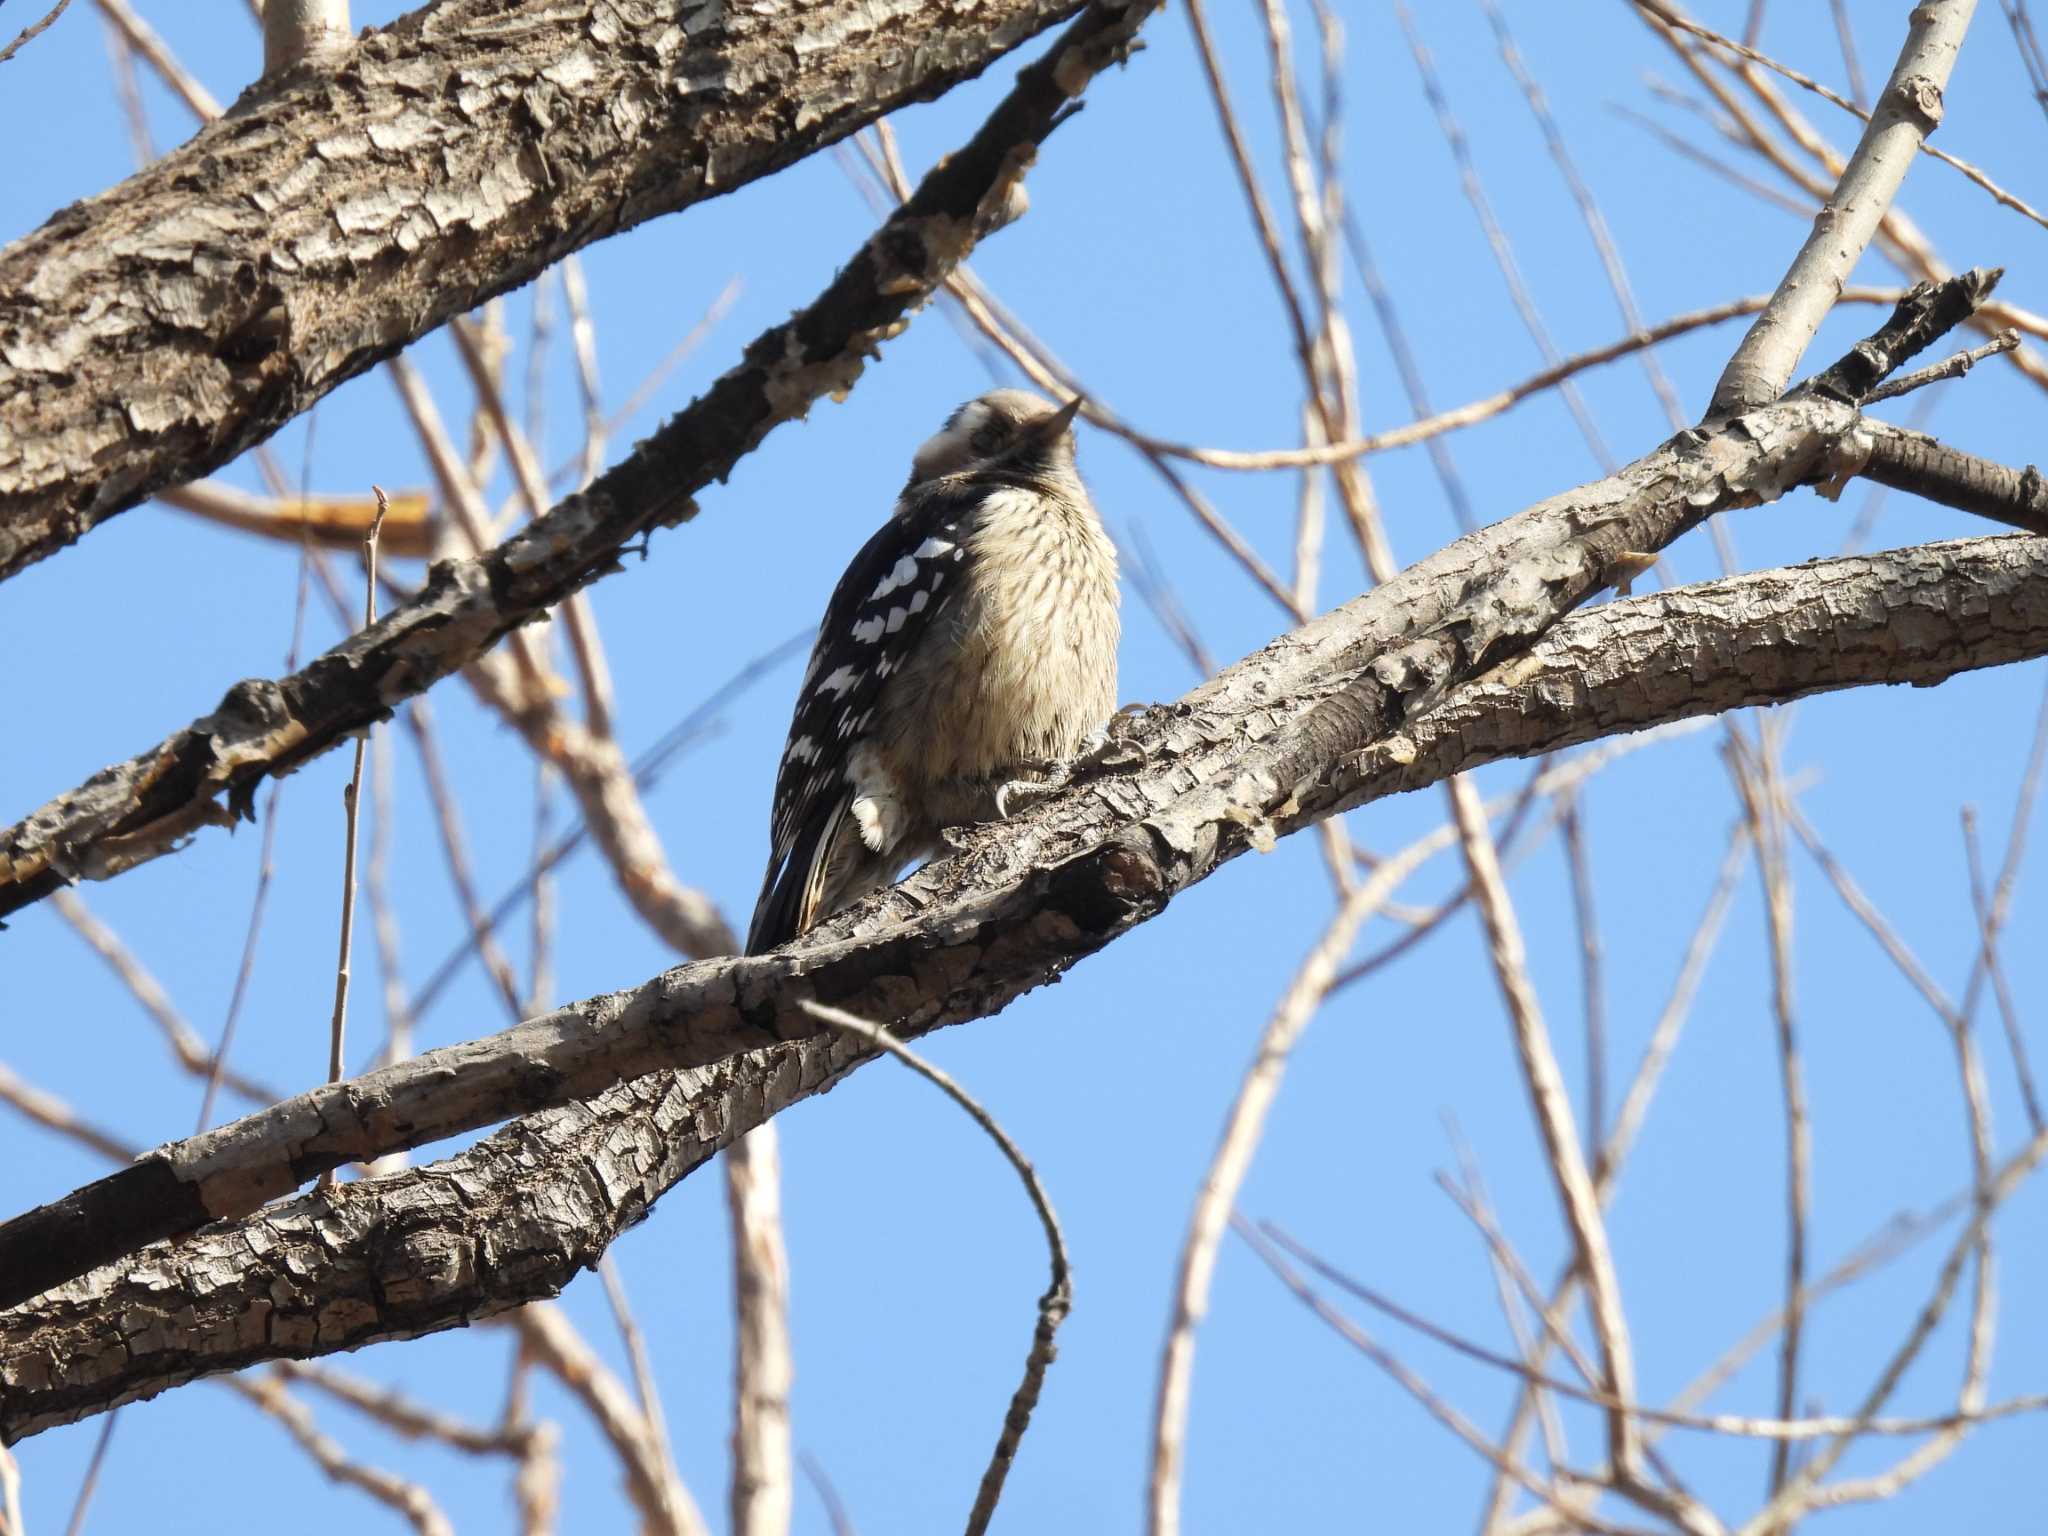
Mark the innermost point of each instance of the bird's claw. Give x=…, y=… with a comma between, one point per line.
x=1027, y=790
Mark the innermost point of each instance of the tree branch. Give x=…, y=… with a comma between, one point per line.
x=517, y=1216
x=1911, y=461
x=1908, y=110
x=151, y=334
x=138, y=810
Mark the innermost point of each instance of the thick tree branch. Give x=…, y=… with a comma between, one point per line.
x=150, y=334
x=138, y=810
x=517, y=1216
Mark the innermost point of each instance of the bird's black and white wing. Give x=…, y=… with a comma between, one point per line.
x=880, y=612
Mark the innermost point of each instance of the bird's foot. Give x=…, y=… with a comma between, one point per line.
x=1052, y=777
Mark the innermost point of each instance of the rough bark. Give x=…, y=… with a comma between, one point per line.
x=519, y=1215
x=331, y=217
x=137, y=810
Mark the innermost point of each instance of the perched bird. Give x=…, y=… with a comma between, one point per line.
x=970, y=647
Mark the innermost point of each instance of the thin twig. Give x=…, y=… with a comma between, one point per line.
x=1551, y=1494
x=1058, y=1299
x=402, y=1415
x=145, y=41
x=53, y=1114
x=351, y=799
x=1552, y=1106
x=266, y=862
x=481, y=942
x=1595, y=221
x=90, y=1483
x=1758, y=779
x=1734, y=1425
x=1987, y=959
x=266, y=1390
x=1807, y=82
x=1232, y=1160
x=1578, y=866
x=1948, y=368
x=398, y=1039
x=32, y=31
x=645, y=1386
x=186, y=1046
x=658, y=1496
x=1496, y=235
x=828, y=1495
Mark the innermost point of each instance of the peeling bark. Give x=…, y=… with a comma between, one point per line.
x=329, y=219
x=143, y=808
x=519, y=1215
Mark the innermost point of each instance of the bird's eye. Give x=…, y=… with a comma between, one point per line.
x=989, y=438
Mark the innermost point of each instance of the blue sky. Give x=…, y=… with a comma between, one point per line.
x=915, y=1261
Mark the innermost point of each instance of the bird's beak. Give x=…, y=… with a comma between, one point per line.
x=1063, y=418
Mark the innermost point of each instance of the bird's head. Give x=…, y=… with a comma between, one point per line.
x=1008, y=428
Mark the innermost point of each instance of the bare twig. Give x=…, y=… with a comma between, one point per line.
x=828, y=1495
x=1989, y=963
x=1552, y=1106
x=1241, y=1132
x=1807, y=82
x=332, y=522
x=351, y=798
x=148, y=992
x=645, y=1386
x=1744, y=1426
x=89, y=1484
x=32, y=31
x=1053, y=1306
x=663, y=1504
x=1949, y=368
x=266, y=863
x=1552, y=1494
x=1589, y=212
x=267, y=1392
x=1496, y=235
x=144, y=40
x=1758, y=778
x=1578, y=865
x=53, y=1114
x=404, y=1416
x=398, y=1039
x=455, y=853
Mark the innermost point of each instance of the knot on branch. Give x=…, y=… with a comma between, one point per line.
x=1921, y=96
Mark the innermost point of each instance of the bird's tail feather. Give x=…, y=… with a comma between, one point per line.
x=792, y=894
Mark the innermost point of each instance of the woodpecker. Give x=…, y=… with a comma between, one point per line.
x=969, y=648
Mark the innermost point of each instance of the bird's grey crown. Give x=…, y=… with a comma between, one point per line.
x=983, y=429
